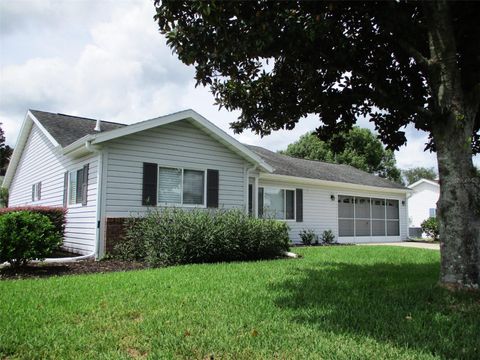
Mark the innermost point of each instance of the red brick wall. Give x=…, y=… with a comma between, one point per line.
x=115, y=230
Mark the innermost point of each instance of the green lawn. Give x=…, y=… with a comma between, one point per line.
x=335, y=303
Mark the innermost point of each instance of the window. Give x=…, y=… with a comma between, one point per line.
x=362, y=216
x=432, y=212
x=37, y=191
x=75, y=185
x=276, y=203
x=181, y=186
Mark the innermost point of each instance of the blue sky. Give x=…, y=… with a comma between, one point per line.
x=106, y=59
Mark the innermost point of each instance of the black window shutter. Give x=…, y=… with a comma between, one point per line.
x=65, y=189
x=260, y=202
x=149, y=188
x=84, y=185
x=299, y=197
x=212, y=188
x=39, y=191
x=33, y=192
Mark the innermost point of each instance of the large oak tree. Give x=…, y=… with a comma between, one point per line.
x=398, y=62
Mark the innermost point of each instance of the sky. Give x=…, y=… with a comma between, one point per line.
x=106, y=59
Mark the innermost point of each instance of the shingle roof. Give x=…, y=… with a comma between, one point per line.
x=66, y=129
x=286, y=165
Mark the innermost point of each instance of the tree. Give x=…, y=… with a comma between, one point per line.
x=5, y=152
x=396, y=62
x=358, y=147
x=414, y=174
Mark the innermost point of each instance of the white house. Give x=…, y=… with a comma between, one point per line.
x=422, y=202
x=105, y=174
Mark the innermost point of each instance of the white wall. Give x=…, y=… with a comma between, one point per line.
x=320, y=213
x=424, y=197
x=178, y=144
x=40, y=161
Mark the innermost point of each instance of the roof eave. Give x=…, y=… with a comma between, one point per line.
x=328, y=183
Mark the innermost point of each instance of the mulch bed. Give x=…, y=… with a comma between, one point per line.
x=72, y=268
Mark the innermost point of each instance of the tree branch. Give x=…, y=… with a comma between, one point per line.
x=419, y=58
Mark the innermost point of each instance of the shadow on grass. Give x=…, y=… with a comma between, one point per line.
x=397, y=304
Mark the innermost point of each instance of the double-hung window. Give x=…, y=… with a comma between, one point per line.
x=37, y=191
x=277, y=203
x=177, y=186
x=75, y=181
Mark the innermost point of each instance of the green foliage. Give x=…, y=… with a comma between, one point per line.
x=25, y=236
x=5, y=153
x=3, y=197
x=308, y=237
x=328, y=237
x=338, y=60
x=175, y=236
x=430, y=227
x=414, y=174
x=357, y=147
x=57, y=215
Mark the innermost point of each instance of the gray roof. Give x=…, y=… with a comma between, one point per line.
x=311, y=169
x=66, y=129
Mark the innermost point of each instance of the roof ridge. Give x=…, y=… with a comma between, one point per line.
x=78, y=117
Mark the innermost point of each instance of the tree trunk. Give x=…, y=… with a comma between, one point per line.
x=458, y=208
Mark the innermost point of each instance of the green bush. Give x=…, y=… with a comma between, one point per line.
x=175, y=236
x=430, y=227
x=328, y=237
x=26, y=236
x=308, y=237
x=57, y=215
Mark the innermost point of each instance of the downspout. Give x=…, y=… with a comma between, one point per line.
x=96, y=150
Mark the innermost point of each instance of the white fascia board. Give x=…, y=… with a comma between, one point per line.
x=332, y=184
x=423, y=181
x=22, y=138
x=77, y=144
x=45, y=132
x=185, y=115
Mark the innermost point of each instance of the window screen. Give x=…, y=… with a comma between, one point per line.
x=169, y=185
x=274, y=203
x=193, y=187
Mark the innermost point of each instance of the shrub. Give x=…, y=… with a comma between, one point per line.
x=3, y=197
x=308, y=237
x=430, y=227
x=57, y=215
x=328, y=237
x=25, y=236
x=175, y=236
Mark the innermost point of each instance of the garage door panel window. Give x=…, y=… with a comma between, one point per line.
x=362, y=216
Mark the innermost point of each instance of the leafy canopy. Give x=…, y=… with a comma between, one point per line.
x=280, y=61
x=414, y=174
x=5, y=152
x=358, y=147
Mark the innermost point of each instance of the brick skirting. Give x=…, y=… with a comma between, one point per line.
x=115, y=231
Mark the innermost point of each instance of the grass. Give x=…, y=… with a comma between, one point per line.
x=335, y=303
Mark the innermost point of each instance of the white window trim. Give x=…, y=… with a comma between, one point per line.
x=284, y=201
x=70, y=172
x=35, y=192
x=181, y=204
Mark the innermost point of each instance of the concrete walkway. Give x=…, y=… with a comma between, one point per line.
x=418, y=245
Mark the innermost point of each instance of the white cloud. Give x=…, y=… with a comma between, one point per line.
x=105, y=59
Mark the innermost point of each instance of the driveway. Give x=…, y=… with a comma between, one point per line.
x=418, y=245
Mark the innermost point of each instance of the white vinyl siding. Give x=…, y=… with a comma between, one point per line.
x=40, y=161
x=177, y=145
x=320, y=212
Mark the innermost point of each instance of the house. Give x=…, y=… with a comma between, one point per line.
x=422, y=204
x=104, y=172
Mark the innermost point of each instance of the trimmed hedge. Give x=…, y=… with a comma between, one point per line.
x=25, y=236
x=57, y=215
x=175, y=236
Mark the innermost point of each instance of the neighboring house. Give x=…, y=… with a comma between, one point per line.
x=183, y=160
x=422, y=203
